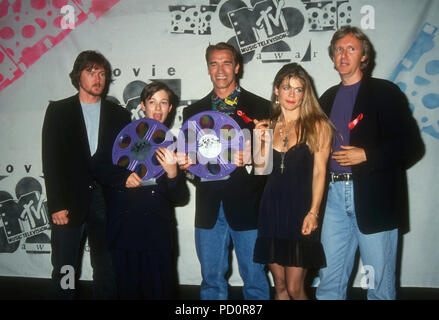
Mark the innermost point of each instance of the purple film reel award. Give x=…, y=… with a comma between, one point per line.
x=135, y=146
x=211, y=139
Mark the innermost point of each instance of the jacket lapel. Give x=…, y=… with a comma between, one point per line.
x=102, y=122
x=82, y=129
x=360, y=102
x=206, y=104
x=242, y=102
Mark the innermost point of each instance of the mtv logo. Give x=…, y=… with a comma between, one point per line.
x=33, y=211
x=259, y=26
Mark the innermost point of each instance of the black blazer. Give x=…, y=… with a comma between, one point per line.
x=66, y=154
x=390, y=137
x=241, y=193
x=140, y=218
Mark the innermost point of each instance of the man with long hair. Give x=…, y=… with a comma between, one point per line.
x=72, y=133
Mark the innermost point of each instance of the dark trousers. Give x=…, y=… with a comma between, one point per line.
x=66, y=245
x=143, y=275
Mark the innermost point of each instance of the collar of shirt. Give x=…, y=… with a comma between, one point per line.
x=228, y=104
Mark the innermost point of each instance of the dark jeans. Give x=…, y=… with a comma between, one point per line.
x=66, y=245
x=143, y=275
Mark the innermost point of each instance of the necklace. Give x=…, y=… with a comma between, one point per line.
x=285, y=144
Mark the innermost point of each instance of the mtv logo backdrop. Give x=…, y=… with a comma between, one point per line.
x=166, y=40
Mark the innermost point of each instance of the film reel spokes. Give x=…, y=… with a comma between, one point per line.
x=135, y=146
x=211, y=139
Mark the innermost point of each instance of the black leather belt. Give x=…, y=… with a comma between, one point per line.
x=334, y=177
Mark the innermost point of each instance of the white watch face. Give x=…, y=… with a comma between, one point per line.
x=209, y=146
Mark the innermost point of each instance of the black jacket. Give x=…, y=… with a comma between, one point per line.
x=138, y=218
x=241, y=193
x=390, y=137
x=66, y=154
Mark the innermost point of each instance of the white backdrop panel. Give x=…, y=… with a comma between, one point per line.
x=166, y=40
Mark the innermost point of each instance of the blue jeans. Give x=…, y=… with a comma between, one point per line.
x=341, y=239
x=213, y=253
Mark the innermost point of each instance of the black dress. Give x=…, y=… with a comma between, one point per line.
x=285, y=202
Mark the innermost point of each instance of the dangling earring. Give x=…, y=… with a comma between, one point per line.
x=277, y=101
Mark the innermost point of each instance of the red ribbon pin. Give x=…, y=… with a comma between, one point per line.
x=243, y=116
x=354, y=122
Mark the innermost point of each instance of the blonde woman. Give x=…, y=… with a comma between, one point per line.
x=289, y=211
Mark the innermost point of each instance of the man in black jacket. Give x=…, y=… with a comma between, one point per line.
x=228, y=209
x=375, y=141
x=72, y=132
